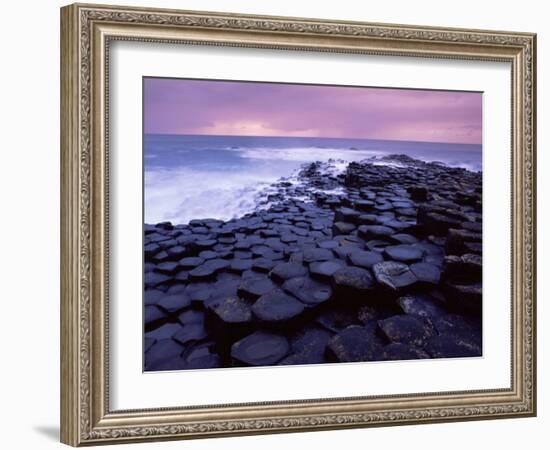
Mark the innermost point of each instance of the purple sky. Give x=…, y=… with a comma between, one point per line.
x=173, y=106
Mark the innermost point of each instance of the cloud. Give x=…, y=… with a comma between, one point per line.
x=275, y=109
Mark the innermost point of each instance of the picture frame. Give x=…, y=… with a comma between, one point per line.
x=87, y=32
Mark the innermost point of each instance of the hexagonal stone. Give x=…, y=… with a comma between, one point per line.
x=263, y=264
x=240, y=265
x=164, y=355
x=153, y=279
x=260, y=349
x=191, y=316
x=285, y=271
x=467, y=297
x=208, y=269
x=397, y=351
x=176, y=252
x=404, y=238
x=165, y=331
x=448, y=346
x=307, y=290
x=152, y=315
x=406, y=329
x=421, y=305
x=352, y=281
x=317, y=254
x=428, y=273
x=276, y=307
x=175, y=302
x=467, y=268
x=152, y=296
x=377, y=245
x=232, y=310
x=355, y=343
x=342, y=228
x=202, y=358
x=404, y=253
x=369, y=232
x=151, y=250
x=205, y=244
x=308, y=347
x=191, y=262
x=394, y=275
x=190, y=332
x=148, y=343
x=326, y=269
x=167, y=267
x=365, y=259
x=255, y=286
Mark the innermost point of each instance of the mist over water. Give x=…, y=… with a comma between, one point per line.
x=223, y=177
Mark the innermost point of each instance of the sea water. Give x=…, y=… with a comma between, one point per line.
x=223, y=177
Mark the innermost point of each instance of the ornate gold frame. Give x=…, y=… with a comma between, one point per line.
x=86, y=31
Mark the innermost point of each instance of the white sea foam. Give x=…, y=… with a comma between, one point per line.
x=182, y=194
x=306, y=154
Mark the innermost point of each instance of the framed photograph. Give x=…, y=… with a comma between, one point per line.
x=276, y=224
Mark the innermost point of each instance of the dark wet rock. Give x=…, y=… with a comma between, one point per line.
x=199, y=292
x=151, y=250
x=336, y=319
x=190, y=333
x=475, y=227
x=406, y=329
x=394, y=275
x=342, y=228
x=152, y=296
x=369, y=232
x=308, y=347
x=405, y=253
x=464, y=269
x=160, y=257
x=255, y=286
x=153, y=279
x=284, y=271
x=317, y=254
x=190, y=262
x=403, y=238
x=240, y=265
x=260, y=349
x=328, y=244
x=425, y=272
x=182, y=275
x=465, y=297
x=447, y=346
x=436, y=222
x=263, y=264
x=460, y=242
x=422, y=305
x=174, y=303
x=355, y=343
x=208, y=254
x=168, y=268
x=208, y=269
x=346, y=215
x=201, y=357
x=308, y=290
x=164, y=355
x=397, y=351
x=205, y=244
x=352, y=282
x=232, y=311
x=377, y=245
x=276, y=308
x=419, y=194
x=191, y=316
x=325, y=269
x=176, y=252
x=148, y=343
x=153, y=315
x=165, y=331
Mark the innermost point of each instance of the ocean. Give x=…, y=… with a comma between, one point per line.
x=223, y=177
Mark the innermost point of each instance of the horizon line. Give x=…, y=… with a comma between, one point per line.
x=309, y=137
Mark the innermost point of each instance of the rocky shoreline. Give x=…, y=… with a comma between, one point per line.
x=380, y=261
